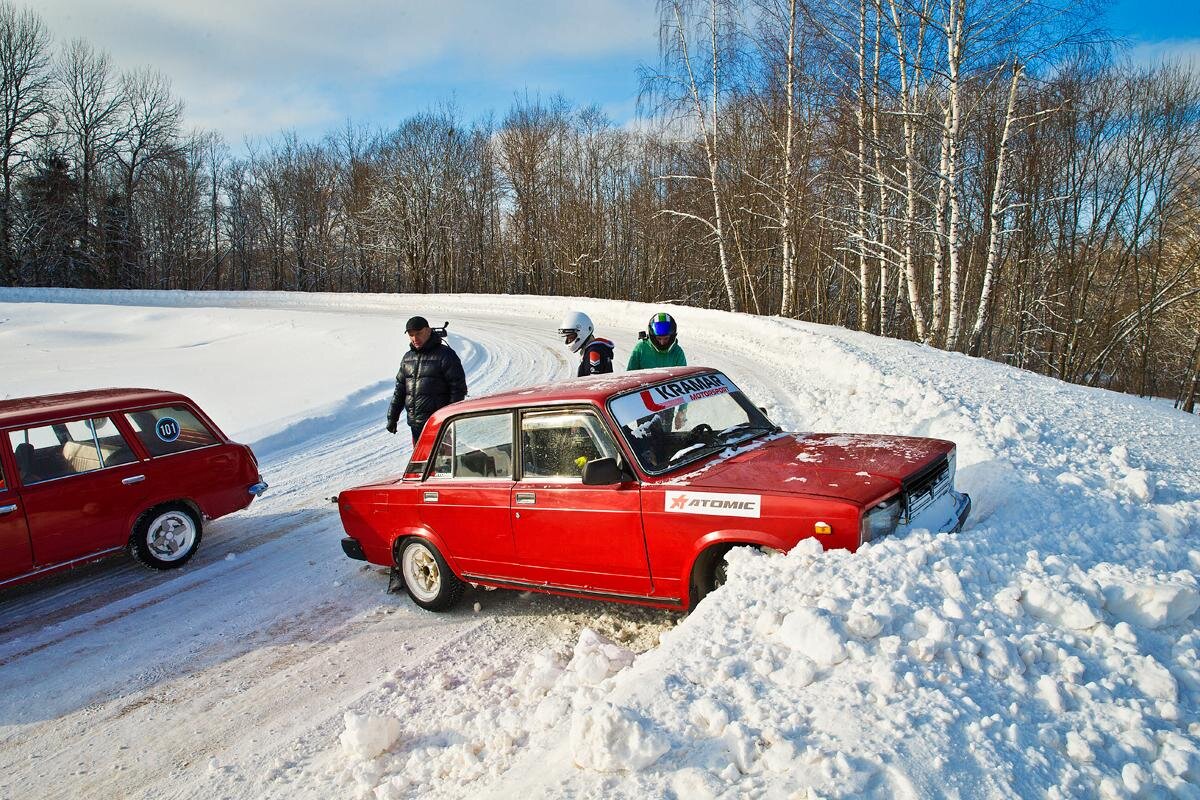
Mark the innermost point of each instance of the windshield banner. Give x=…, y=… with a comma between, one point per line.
x=668, y=395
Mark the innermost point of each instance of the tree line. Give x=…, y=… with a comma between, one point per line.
x=987, y=176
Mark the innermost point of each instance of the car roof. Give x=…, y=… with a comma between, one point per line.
x=592, y=389
x=23, y=410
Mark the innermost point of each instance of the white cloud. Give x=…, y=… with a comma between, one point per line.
x=1185, y=52
x=252, y=67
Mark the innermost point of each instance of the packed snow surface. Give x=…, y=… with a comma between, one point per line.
x=1050, y=649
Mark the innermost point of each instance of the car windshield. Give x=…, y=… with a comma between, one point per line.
x=677, y=422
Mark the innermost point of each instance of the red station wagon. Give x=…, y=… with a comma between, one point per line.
x=632, y=487
x=86, y=474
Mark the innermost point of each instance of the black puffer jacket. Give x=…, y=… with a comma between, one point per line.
x=429, y=378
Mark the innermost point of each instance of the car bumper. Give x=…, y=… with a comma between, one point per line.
x=352, y=548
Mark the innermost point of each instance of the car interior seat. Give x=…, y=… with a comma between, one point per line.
x=24, y=455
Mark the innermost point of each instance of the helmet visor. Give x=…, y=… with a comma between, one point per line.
x=569, y=335
x=662, y=328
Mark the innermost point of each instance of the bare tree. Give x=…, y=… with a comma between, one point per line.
x=690, y=86
x=25, y=82
x=91, y=109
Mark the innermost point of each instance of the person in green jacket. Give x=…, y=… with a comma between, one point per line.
x=657, y=346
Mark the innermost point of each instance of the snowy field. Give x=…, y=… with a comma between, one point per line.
x=1048, y=650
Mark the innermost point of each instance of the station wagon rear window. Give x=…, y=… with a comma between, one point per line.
x=170, y=429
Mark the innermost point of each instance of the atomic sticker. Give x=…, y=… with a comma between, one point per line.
x=718, y=504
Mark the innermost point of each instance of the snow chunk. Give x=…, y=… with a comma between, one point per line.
x=597, y=658
x=611, y=739
x=1059, y=608
x=1138, y=483
x=1153, y=605
x=368, y=735
x=1153, y=679
x=709, y=717
x=813, y=632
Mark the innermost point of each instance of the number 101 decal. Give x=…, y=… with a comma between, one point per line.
x=167, y=429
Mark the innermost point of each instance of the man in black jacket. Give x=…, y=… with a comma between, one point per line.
x=430, y=376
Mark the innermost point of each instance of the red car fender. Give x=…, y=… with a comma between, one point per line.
x=429, y=536
x=732, y=536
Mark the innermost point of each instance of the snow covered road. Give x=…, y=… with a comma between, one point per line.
x=1049, y=650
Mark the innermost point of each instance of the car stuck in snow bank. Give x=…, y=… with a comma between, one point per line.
x=632, y=487
x=87, y=474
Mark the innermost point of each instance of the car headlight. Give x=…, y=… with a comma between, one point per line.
x=881, y=520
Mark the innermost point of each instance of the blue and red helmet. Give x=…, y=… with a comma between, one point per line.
x=662, y=332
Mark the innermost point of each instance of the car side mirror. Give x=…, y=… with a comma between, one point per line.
x=603, y=472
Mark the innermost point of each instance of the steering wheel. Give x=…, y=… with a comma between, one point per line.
x=701, y=434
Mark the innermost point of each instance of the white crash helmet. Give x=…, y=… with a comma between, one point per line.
x=575, y=329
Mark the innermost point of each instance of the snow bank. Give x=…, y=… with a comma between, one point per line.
x=1050, y=649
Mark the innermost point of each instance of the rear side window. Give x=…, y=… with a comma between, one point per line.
x=171, y=429
x=68, y=448
x=475, y=447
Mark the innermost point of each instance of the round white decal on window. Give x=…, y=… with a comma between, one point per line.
x=167, y=429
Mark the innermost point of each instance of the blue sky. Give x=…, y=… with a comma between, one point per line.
x=253, y=68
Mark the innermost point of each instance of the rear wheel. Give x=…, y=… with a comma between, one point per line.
x=166, y=537
x=427, y=578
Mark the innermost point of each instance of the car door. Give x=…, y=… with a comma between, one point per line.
x=80, y=485
x=464, y=499
x=189, y=460
x=587, y=538
x=16, y=553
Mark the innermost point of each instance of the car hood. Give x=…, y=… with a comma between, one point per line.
x=860, y=468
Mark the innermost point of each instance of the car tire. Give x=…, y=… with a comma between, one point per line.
x=166, y=537
x=708, y=573
x=427, y=577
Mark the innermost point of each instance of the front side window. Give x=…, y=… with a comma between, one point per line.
x=475, y=447
x=54, y=451
x=680, y=421
x=170, y=429
x=556, y=444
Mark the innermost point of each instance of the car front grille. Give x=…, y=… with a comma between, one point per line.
x=925, y=487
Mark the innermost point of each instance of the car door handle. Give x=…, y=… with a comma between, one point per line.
x=526, y=498
x=132, y=479
x=8, y=509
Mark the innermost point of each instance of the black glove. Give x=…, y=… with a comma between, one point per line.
x=391, y=428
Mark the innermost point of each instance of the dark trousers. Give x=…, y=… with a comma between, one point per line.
x=416, y=431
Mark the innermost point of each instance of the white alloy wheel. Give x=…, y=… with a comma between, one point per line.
x=422, y=575
x=171, y=535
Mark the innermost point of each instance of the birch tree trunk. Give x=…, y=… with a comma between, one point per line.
x=954, y=54
x=860, y=188
x=996, y=213
x=908, y=111
x=787, y=305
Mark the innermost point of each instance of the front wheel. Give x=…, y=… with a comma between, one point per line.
x=166, y=537
x=427, y=578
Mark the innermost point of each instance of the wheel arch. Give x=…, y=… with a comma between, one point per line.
x=404, y=534
x=712, y=546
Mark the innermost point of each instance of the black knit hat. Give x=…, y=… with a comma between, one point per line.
x=416, y=324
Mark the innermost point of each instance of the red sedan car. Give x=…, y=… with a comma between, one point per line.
x=87, y=474
x=632, y=487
